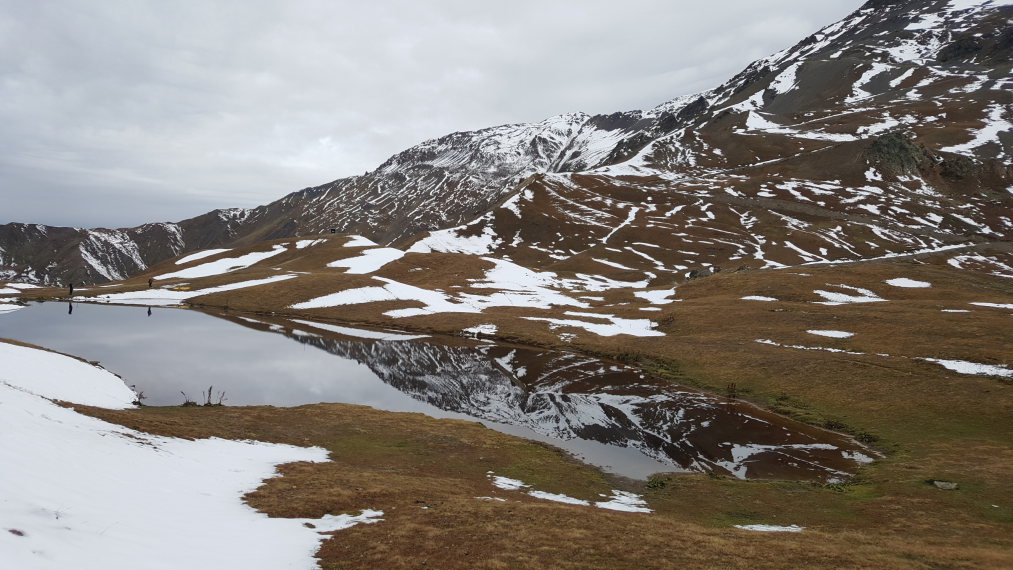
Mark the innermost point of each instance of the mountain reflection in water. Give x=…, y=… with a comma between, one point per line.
x=569, y=397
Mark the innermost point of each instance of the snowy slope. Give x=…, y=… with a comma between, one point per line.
x=78, y=492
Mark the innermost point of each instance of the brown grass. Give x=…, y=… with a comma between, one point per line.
x=929, y=422
x=425, y=474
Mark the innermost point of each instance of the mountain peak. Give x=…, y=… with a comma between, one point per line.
x=902, y=91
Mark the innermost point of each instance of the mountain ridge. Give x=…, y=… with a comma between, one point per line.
x=896, y=58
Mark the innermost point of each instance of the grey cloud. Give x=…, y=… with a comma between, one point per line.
x=117, y=113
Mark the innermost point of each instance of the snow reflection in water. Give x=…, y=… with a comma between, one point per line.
x=608, y=414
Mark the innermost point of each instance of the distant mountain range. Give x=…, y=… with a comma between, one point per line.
x=888, y=133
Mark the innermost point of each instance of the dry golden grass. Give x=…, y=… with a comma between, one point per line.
x=426, y=475
x=929, y=422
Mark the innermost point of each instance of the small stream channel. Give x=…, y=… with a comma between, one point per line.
x=607, y=414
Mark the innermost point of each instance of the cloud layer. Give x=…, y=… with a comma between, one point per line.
x=121, y=112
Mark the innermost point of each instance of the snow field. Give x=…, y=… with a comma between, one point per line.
x=513, y=285
x=86, y=494
x=61, y=377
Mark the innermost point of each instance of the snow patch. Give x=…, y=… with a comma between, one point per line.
x=60, y=377
x=361, y=333
x=660, y=297
x=199, y=255
x=831, y=333
x=994, y=305
x=450, y=241
x=369, y=260
x=905, y=282
x=617, y=501
x=964, y=367
x=226, y=265
x=838, y=298
x=163, y=297
x=359, y=241
x=989, y=133
x=485, y=329
x=770, y=528
x=616, y=326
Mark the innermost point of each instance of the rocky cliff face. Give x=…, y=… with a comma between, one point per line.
x=885, y=133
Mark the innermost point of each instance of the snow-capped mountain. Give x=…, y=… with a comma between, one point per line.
x=886, y=133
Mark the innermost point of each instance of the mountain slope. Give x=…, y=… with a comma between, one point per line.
x=886, y=133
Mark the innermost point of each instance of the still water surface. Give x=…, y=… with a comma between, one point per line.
x=607, y=414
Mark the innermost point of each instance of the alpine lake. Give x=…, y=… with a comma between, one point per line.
x=604, y=413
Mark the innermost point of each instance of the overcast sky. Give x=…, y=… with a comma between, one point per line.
x=115, y=113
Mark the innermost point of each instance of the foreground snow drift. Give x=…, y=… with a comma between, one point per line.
x=82, y=493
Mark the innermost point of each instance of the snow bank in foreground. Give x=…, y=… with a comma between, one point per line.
x=617, y=501
x=61, y=377
x=86, y=494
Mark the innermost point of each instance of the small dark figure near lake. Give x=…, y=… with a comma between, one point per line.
x=150, y=282
x=70, y=308
x=149, y=311
x=70, y=287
